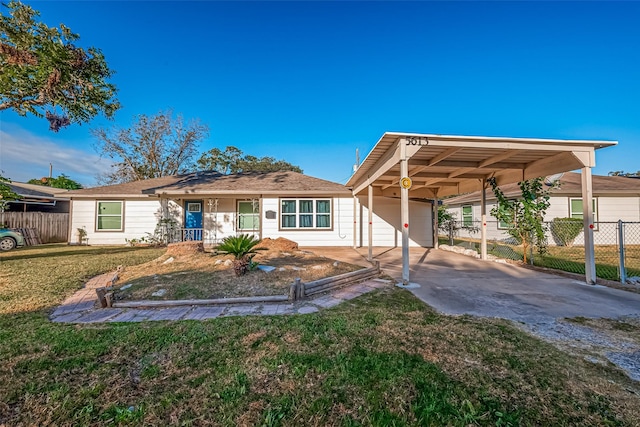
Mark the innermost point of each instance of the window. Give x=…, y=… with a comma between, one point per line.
x=575, y=209
x=109, y=216
x=305, y=213
x=248, y=215
x=503, y=225
x=467, y=216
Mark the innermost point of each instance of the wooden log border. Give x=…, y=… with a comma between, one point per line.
x=297, y=291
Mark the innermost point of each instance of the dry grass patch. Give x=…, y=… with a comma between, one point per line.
x=201, y=275
x=37, y=277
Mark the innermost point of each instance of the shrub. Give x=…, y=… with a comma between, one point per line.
x=243, y=248
x=565, y=230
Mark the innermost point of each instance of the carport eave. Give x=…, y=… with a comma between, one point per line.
x=537, y=157
x=392, y=156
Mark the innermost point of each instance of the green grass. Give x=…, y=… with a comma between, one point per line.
x=383, y=359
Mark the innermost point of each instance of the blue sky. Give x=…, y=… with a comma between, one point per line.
x=309, y=82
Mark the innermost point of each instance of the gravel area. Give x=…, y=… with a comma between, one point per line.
x=595, y=340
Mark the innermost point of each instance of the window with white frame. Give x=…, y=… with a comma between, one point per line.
x=305, y=213
x=109, y=216
x=575, y=209
x=467, y=216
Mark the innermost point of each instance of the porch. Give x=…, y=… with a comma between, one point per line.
x=209, y=220
x=208, y=237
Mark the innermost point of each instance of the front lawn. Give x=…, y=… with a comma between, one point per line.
x=382, y=359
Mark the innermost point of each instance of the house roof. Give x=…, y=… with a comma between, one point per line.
x=446, y=165
x=214, y=183
x=33, y=191
x=569, y=185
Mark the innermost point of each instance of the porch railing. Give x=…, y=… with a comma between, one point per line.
x=207, y=237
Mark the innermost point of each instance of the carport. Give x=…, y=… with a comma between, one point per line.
x=424, y=166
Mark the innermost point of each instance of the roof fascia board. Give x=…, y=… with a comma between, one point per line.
x=437, y=139
x=111, y=196
x=386, y=162
x=302, y=193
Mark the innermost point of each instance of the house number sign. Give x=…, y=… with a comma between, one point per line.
x=417, y=140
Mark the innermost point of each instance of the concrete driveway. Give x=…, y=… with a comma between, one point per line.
x=457, y=284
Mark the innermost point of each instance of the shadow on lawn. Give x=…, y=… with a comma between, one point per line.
x=18, y=255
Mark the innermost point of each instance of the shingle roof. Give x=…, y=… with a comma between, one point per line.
x=37, y=191
x=570, y=185
x=214, y=183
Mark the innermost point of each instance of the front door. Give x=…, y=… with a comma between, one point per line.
x=249, y=217
x=192, y=220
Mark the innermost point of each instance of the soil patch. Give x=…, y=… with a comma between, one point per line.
x=187, y=273
x=184, y=248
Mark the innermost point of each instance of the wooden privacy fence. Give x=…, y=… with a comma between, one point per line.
x=51, y=227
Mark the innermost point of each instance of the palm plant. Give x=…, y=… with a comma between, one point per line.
x=243, y=248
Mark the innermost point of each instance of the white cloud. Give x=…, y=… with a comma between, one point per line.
x=24, y=155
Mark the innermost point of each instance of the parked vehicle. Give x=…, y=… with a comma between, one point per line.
x=10, y=239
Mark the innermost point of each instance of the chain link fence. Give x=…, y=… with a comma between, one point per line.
x=617, y=246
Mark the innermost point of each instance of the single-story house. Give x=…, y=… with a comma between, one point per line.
x=210, y=206
x=38, y=198
x=614, y=198
x=388, y=201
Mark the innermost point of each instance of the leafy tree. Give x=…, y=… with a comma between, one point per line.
x=154, y=146
x=623, y=173
x=42, y=67
x=233, y=160
x=6, y=195
x=525, y=215
x=447, y=223
x=62, y=181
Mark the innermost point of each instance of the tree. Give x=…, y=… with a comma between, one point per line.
x=62, y=181
x=525, y=215
x=6, y=195
x=233, y=160
x=154, y=146
x=623, y=173
x=447, y=222
x=42, y=67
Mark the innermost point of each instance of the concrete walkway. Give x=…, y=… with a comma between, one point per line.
x=456, y=284
x=82, y=307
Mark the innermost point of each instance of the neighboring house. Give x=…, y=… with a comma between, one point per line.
x=614, y=198
x=38, y=198
x=209, y=206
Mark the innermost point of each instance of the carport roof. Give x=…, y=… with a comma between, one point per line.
x=442, y=165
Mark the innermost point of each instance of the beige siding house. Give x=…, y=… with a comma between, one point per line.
x=209, y=206
x=614, y=198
